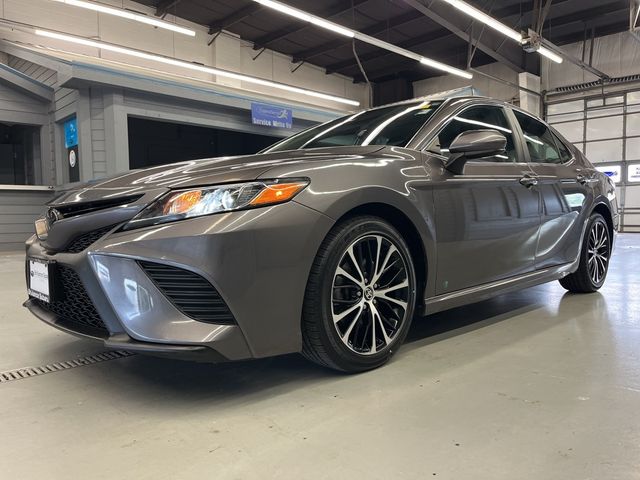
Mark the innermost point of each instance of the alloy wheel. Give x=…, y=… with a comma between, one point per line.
x=598, y=252
x=370, y=294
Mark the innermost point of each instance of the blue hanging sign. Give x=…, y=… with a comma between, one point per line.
x=71, y=133
x=271, y=115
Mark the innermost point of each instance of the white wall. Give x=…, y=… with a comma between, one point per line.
x=616, y=55
x=484, y=85
x=227, y=52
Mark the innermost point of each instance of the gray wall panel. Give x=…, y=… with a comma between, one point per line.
x=18, y=211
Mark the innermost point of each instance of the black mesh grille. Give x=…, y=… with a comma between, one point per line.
x=71, y=303
x=83, y=242
x=190, y=293
x=74, y=209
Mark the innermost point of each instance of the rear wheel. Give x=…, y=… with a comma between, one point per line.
x=594, y=258
x=360, y=296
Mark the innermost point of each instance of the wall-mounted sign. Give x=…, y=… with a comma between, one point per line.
x=73, y=158
x=71, y=133
x=614, y=172
x=633, y=172
x=71, y=144
x=271, y=115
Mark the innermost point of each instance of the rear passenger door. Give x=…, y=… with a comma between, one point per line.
x=487, y=219
x=565, y=189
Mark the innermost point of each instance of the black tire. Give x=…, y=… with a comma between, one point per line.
x=322, y=336
x=585, y=280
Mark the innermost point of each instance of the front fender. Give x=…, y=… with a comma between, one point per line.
x=394, y=177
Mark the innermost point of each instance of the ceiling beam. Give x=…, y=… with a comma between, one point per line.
x=455, y=57
x=377, y=28
x=164, y=5
x=382, y=27
x=462, y=33
x=234, y=17
x=587, y=14
x=503, y=13
x=334, y=10
x=374, y=55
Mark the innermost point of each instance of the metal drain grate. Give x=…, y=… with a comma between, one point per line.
x=27, y=372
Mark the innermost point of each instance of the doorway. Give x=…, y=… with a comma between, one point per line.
x=154, y=142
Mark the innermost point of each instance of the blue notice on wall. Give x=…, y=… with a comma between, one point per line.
x=71, y=133
x=271, y=115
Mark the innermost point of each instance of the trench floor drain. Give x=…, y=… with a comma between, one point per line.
x=28, y=372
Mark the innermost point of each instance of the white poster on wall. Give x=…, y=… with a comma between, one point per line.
x=633, y=172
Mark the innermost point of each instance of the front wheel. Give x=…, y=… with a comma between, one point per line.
x=594, y=258
x=360, y=296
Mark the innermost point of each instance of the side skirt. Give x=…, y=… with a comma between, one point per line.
x=489, y=290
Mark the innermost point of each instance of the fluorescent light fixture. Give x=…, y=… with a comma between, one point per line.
x=191, y=66
x=306, y=17
x=550, y=55
x=444, y=67
x=334, y=27
x=486, y=19
x=119, y=12
x=499, y=26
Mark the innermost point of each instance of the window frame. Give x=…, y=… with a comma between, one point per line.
x=517, y=135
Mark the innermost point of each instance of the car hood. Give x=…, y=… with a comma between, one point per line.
x=200, y=172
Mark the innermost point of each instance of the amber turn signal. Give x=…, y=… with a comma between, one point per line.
x=278, y=193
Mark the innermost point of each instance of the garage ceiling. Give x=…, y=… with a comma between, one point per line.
x=398, y=22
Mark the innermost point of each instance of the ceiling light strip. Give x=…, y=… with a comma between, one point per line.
x=334, y=27
x=498, y=26
x=119, y=12
x=549, y=54
x=192, y=66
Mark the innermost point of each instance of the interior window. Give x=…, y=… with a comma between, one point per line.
x=539, y=139
x=476, y=118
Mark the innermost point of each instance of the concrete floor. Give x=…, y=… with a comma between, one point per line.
x=537, y=384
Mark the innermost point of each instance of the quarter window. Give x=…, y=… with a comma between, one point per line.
x=476, y=118
x=540, y=141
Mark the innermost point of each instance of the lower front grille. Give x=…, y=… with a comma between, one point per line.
x=72, y=305
x=189, y=292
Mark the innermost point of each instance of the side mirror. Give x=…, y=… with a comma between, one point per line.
x=474, y=144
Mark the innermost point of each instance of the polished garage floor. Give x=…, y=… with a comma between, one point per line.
x=534, y=385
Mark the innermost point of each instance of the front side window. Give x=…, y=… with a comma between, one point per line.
x=539, y=139
x=395, y=125
x=476, y=118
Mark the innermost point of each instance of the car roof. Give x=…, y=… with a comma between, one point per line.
x=437, y=97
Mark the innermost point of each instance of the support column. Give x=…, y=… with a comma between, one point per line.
x=529, y=101
x=116, y=132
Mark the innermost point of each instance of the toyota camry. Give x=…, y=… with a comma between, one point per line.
x=328, y=243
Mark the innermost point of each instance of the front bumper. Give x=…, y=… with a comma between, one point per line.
x=258, y=261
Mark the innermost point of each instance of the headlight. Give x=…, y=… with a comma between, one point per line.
x=196, y=202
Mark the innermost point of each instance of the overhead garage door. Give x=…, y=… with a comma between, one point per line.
x=607, y=129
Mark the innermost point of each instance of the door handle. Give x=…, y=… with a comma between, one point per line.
x=584, y=179
x=529, y=181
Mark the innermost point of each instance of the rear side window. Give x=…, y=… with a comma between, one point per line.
x=540, y=141
x=476, y=118
x=565, y=154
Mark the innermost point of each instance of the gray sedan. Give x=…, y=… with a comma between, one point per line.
x=329, y=242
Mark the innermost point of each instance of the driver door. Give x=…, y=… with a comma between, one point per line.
x=487, y=218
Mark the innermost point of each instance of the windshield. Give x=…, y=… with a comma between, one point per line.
x=394, y=125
